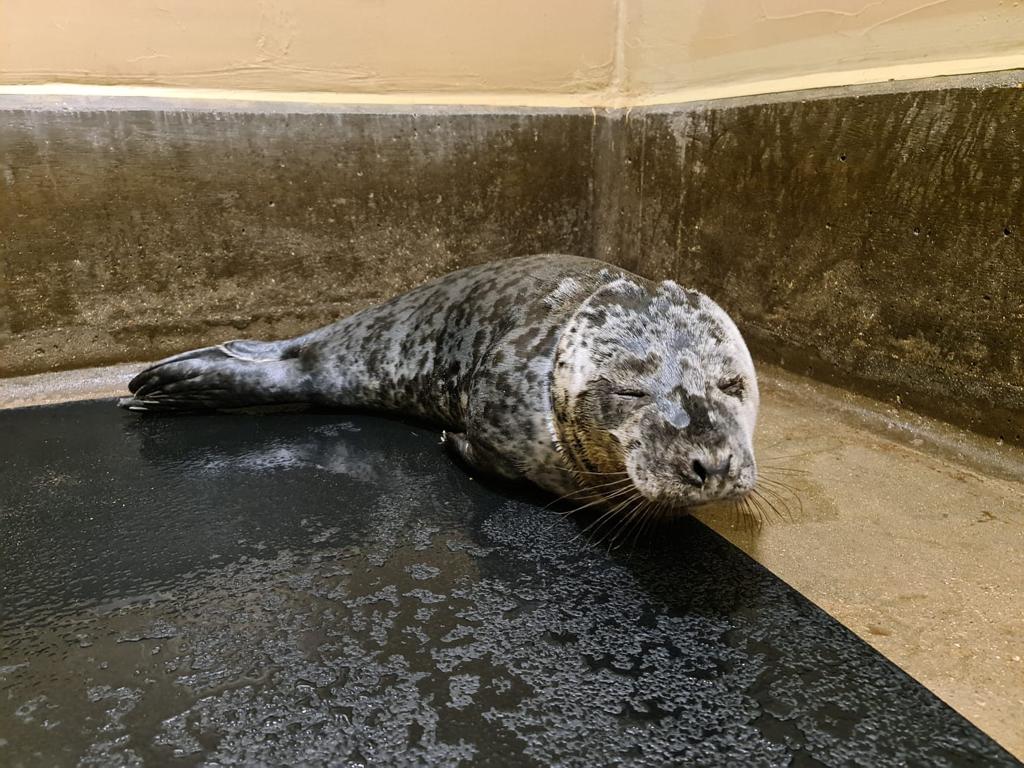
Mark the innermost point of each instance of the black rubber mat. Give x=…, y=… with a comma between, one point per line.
x=304, y=589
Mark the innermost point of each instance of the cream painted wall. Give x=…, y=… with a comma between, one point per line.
x=599, y=52
x=692, y=49
x=357, y=46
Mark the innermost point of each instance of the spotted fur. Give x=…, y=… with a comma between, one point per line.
x=554, y=369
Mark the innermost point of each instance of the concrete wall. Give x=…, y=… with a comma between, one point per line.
x=132, y=233
x=871, y=238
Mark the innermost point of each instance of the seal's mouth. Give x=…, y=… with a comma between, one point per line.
x=686, y=484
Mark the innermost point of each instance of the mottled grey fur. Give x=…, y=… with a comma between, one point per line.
x=561, y=370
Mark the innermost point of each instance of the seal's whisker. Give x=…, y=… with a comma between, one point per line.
x=748, y=518
x=587, y=472
x=758, y=503
x=758, y=493
x=589, y=490
x=774, y=481
x=609, y=514
x=801, y=455
x=611, y=525
x=764, y=471
x=758, y=508
x=669, y=514
x=595, y=502
x=643, y=520
x=592, y=488
x=741, y=513
x=629, y=520
x=763, y=518
x=774, y=494
x=782, y=495
x=635, y=520
x=782, y=490
x=786, y=480
x=757, y=519
x=661, y=512
x=600, y=500
x=618, y=490
x=598, y=522
x=619, y=482
x=586, y=492
x=564, y=496
x=616, y=523
x=737, y=513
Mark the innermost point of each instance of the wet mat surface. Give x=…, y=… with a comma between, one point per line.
x=300, y=589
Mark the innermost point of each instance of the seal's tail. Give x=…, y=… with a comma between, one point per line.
x=230, y=375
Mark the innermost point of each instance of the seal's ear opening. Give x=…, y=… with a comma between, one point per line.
x=631, y=393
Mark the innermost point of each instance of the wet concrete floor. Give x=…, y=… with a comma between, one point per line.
x=323, y=589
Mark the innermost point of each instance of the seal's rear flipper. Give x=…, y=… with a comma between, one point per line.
x=230, y=375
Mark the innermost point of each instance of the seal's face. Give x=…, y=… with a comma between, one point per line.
x=659, y=385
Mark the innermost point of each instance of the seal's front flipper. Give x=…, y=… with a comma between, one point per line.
x=230, y=375
x=478, y=457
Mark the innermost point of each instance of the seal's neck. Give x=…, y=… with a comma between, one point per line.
x=586, y=447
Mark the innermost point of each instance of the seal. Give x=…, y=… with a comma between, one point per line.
x=564, y=371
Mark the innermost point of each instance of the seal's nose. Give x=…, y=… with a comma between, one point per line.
x=704, y=472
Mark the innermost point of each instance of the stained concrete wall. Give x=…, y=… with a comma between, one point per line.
x=875, y=240
x=128, y=234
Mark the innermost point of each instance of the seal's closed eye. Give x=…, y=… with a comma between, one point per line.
x=637, y=394
x=733, y=387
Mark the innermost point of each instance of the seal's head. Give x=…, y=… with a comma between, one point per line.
x=656, y=381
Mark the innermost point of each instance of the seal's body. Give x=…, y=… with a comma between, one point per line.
x=565, y=371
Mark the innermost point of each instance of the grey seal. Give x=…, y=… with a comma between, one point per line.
x=568, y=372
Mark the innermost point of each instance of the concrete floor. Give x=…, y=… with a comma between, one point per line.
x=908, y=532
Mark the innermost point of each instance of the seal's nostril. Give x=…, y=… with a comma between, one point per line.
x=703, y=472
